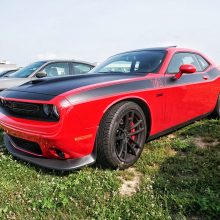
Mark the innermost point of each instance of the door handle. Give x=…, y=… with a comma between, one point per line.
x=205, y=77
x=159, y=94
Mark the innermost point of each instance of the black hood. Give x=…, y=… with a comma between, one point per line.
x=51, y=87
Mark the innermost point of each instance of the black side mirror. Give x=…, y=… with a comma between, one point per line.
x=41, y=74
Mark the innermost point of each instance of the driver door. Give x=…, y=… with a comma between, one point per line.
x=187, y=97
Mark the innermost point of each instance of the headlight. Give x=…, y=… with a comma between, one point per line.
x=56, y=112
x=46, y=109
x=2, y=102
x=51, y=111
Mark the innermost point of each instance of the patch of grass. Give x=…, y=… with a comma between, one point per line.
x=180, y=180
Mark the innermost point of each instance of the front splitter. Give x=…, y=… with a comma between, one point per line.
x=55, y=164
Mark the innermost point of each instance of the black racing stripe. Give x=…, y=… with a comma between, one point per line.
x=48, y=88
x=214, y=73
x=58, y=85
x=25, y=95
x=111, y=90
x=166, y=81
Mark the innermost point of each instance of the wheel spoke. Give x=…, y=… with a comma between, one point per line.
x=125, y=151
x=122, y=146
x=120, y=137
x=128, y=119
x=135, y=125
x=132, y=149
x=132, y=116
x=120, y=129
x=135, y=132
x=136, y=144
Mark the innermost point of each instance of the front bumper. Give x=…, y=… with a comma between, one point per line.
x=56, y=164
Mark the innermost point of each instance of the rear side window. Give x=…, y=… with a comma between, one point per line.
x=80, y=68
x=203, y=63
x=183, y=58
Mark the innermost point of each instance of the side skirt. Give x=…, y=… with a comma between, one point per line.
x=150, y=138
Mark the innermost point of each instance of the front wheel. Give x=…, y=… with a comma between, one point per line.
x=121, y=136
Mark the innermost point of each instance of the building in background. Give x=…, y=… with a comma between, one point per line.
x=5, y=65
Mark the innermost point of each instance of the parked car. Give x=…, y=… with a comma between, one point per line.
x=40, y=69
x=6, y=73
x=107, y=115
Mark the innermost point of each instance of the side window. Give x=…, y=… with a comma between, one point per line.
x=80, y=68
x=183, y=58
x=56, y=69
x=203, y=63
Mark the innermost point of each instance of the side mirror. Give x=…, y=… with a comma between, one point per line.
x=41, y=74
x=185, y=68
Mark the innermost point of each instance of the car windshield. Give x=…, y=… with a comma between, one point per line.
x=148, y=61
x=7, y=73
x=27, y=71
x=3, y=73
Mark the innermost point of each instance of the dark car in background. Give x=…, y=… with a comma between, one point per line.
x=45, y=68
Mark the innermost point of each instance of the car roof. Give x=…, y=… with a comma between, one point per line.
x=150, y=48
x=167, y=48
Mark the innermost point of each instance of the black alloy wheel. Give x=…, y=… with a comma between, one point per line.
x=122, y=135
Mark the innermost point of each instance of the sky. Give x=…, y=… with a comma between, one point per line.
x=93, y=30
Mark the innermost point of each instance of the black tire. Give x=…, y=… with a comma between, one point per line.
x=121, y=136
x=217, y=108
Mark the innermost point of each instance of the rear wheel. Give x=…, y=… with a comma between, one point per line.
x=121, y=135
x=217, y=108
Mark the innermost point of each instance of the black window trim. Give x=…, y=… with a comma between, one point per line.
x=194, y=53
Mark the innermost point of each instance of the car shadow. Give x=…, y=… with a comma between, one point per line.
x=188, y=182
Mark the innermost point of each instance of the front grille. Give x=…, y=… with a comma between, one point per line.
x=28, y=146
x=25, y=110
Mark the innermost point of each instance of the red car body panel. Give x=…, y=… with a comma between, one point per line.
x=170, y=103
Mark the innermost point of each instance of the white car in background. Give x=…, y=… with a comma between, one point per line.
x=6, y=73
x=48, y=68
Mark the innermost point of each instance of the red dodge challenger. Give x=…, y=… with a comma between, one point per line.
x=109, y=114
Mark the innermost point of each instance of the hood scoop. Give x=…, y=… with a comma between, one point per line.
x=36, y=81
